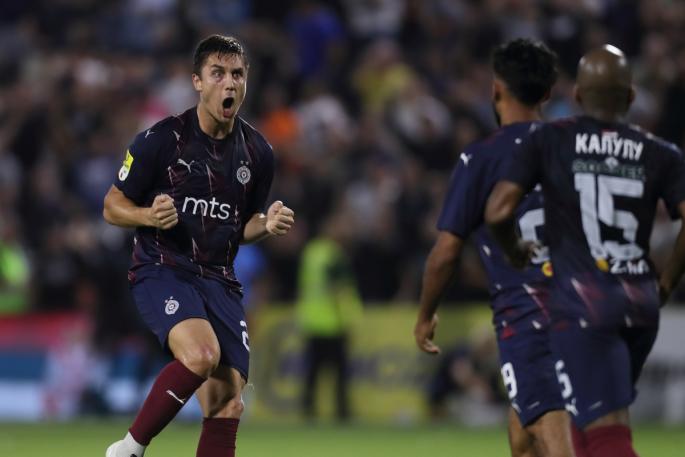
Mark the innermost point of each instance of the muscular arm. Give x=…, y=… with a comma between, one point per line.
x=440, y=267
x=120, y=210
x=676, y=262
x=499, y=216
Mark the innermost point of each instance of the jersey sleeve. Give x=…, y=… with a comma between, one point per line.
x=464, y=205
x=673, y=191
x=265, y=176
x=140, y=167
x=525, y=167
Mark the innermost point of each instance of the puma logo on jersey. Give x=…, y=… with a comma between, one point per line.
x=148, y=133
x=185, y=164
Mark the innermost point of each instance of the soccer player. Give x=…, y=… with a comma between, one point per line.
x=524, y=73
x=194, y=186
x=601, y=180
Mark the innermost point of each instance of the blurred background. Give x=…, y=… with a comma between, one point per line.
x=367, y=104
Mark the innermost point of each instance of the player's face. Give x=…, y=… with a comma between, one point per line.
x=222, y=85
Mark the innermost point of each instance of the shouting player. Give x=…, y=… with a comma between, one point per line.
x=524, y=73
x=194, y=186
x=601, y=180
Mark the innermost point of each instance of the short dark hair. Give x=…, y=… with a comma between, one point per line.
x=223, y=45
x=528, y=68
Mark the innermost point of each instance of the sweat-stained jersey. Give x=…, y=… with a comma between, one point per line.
x=601, y=182
x=517, y=296
x=217, y=186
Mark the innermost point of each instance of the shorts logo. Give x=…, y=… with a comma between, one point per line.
x=243, y=174
x=126, y=167
x=171, y=306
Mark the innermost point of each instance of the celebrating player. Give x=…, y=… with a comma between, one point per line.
x=194, y=186
x=601, y=180
x=524, y=73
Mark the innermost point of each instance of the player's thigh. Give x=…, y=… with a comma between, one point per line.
x=520, y=441
x=193, y=341
x=529, y=373
x=598, y=363
x=552, y=434
x=220, y=395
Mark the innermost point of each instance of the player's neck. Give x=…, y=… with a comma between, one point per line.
x=604, y=116
x=212, y=128
x=514, y=113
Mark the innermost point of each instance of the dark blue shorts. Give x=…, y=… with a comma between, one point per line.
x=166, y=296
x=533, y=375
x=604, y=365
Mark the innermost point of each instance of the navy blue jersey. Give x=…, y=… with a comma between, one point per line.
x=601, y=183
x=516, y=295
x=217, y=186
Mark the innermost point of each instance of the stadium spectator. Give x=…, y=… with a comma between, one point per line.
x=327, y=307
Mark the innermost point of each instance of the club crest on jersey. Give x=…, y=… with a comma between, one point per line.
x=126, y=167
x=171, y=306
x=243, y=174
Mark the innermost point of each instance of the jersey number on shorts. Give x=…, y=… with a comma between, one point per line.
x=246, y=341
x=597, y=205
x=509, y=379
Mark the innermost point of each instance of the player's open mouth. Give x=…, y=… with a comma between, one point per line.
x=227, y=104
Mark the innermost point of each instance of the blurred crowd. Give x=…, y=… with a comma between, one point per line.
x=367, y=104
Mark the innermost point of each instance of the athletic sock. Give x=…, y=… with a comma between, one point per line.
x=579, y=441
x=610, y=441
x=218, y=437
x=174, y=385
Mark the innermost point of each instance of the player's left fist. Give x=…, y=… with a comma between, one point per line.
x=279, y=218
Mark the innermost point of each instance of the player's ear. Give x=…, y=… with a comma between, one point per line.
x=197, y=82
x=576, y=95
x=497, y=88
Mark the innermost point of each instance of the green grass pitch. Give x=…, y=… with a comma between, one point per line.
x=89, y=439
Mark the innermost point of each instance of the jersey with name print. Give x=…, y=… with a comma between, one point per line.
x=601, y=182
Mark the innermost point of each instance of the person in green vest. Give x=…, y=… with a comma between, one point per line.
x=327, y=307
x=14, y=271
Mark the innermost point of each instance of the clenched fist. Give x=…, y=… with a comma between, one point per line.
x=163, y=213
x=279, y=218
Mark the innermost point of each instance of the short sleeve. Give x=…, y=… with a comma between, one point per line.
x=525, y=168
x=140, y=166
x=464, y=205
x=265, y=176
x=673, y=182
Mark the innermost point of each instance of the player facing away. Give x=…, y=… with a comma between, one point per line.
x=601, y=179
x=194, y=186
x=524, y=73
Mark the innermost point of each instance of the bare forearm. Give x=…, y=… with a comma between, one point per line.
x=439, y=271
x=255, y=229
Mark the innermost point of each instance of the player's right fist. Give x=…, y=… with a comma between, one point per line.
x=163, y=213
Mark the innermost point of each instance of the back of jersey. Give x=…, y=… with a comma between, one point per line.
x=601, y=183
